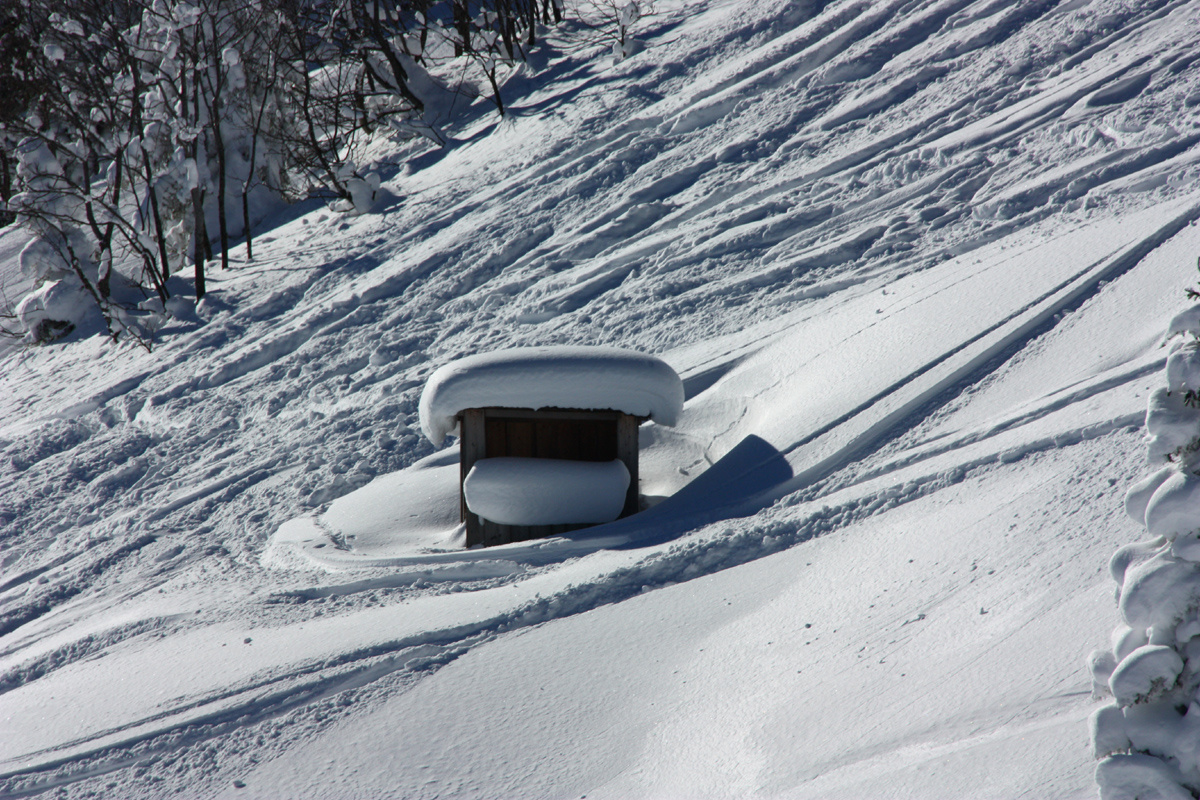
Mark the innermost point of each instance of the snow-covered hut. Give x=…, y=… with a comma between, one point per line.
x=547, y=435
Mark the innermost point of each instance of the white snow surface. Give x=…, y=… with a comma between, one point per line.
x=912, y=262
x=546, y=491
x=574, y=377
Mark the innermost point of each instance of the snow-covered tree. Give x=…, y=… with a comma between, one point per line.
x=74, y=186
x=1148, y=737
x=140, y=130
x=157, y=128
x=17, y=92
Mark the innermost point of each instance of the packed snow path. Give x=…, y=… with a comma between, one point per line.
x=912, y=261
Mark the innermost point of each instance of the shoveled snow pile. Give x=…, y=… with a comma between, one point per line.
x=1148, y=740
x=551, y=377
x=546, y=491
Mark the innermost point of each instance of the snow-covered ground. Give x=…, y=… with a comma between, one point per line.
x=912, y=260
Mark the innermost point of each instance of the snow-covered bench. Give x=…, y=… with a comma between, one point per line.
x=540, y=429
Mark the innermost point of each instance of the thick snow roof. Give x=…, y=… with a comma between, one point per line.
x=593, y=378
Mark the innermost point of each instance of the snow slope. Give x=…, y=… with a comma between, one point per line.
x=912, y=261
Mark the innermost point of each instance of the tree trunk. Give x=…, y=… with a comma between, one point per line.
x=199, y=239
x=491, y=73
x=462, y=22
x=222, y=222
x=246, y=219
x=205, y=249
x=158, y=226
x=5, y=174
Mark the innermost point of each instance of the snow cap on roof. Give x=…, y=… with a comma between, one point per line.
x=594, y=378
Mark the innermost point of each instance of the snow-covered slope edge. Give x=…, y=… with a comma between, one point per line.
x=910, y=261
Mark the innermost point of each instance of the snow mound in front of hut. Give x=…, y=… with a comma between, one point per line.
x=608, y=378
x=546, y=491
x=412, y=512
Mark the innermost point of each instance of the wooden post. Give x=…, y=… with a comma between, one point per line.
x=473, y=446
x=627, y=452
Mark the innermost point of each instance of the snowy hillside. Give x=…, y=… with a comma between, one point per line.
x=912, y=259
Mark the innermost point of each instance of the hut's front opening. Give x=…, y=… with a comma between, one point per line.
x=569, y=434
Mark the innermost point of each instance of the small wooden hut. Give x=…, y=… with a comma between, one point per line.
x=570, y=404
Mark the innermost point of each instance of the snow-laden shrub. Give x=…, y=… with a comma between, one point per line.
x=362, y=191
x=55, y=309
x=614, y=21
x=63, y=277
x=1148, y=739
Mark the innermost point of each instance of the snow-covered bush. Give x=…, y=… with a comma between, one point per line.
x=69, y=284
x=1148, y=737
x=55, y=309
x=614, y=22
x=60, y=301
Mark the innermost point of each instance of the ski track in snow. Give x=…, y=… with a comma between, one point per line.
x=754, y=174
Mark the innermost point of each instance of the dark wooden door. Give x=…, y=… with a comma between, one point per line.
x=573, y=439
